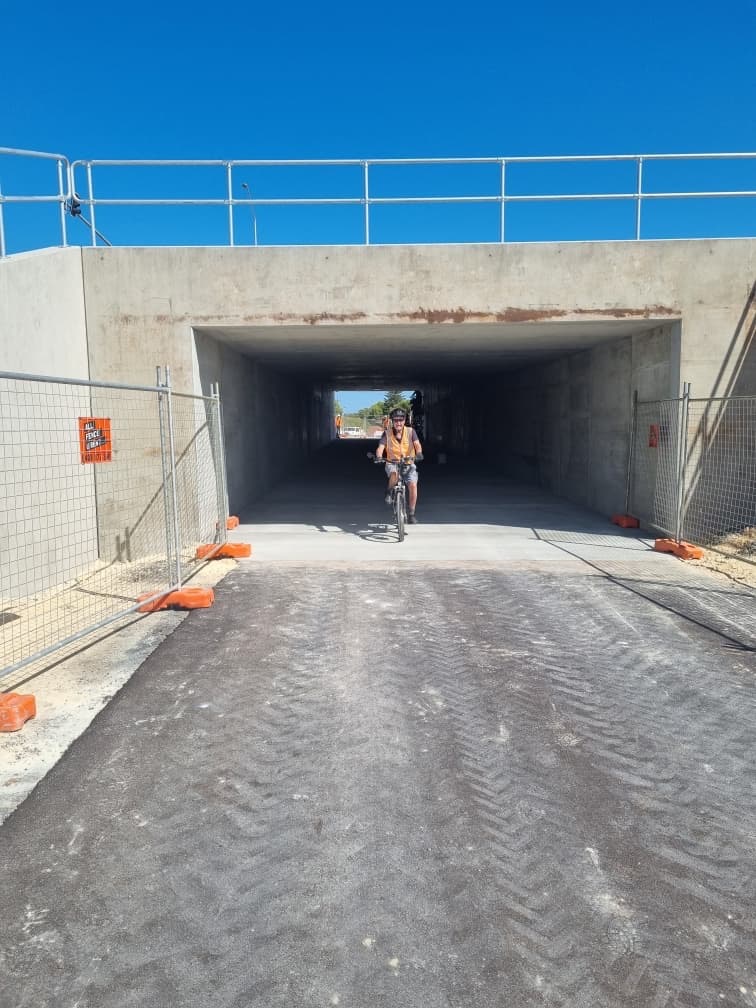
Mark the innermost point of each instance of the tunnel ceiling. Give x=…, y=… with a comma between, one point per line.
x=408, y=356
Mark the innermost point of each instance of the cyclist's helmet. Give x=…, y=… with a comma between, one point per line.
x=398, y=414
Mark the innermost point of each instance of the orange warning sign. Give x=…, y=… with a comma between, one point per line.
x=94, y=439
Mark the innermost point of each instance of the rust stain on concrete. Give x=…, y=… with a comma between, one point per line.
x=509, y=314
x=430, y=316
x=459, y=315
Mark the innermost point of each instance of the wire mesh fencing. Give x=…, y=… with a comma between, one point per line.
x=693, y=471
x=656, y=454
x=107, y=490
x=719, y=493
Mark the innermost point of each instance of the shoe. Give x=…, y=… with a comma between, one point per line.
x=387, y=498
x=411, y=520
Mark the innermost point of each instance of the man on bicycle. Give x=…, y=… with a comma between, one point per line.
x=400, y=441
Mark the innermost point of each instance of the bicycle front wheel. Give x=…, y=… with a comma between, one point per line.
x=400, y=516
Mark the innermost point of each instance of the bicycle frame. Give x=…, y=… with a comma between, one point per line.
x=399, y=497
x=398, y=491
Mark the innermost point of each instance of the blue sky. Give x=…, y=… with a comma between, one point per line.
x=338, y=80
x=296, y=80
x=353, y=401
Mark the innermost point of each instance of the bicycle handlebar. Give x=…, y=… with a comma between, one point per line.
x=404, y=460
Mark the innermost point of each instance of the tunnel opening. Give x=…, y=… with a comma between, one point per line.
x=547, y=403
x=363, y=413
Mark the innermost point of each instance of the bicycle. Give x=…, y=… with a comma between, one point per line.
x=399, y=491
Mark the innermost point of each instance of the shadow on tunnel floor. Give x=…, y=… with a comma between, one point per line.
x=340, y=486
x=341, y=490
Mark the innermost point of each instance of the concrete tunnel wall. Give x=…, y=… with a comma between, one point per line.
x=564, y=424
x=272, y=422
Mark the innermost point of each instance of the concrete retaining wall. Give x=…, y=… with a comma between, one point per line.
x=42, y=318
x=43, y=331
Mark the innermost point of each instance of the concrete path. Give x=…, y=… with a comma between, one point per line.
x=508, y=762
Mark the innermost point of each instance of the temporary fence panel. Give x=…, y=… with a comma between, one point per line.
x=200, y=486
x=654, y=483
x=693, y=471
x=720, y=474
x=104, y=498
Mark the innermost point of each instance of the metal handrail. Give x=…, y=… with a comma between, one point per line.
x=71, y=199
x=61, y=197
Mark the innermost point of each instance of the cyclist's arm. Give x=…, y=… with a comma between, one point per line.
x=381, y=447
x=416, y=444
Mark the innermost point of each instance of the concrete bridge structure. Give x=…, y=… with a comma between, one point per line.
x=528, y=355
x=504, y=762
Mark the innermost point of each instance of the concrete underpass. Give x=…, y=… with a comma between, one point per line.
x=528, y=356
x=546, y=402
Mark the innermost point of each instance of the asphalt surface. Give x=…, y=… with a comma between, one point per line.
x=509, y=762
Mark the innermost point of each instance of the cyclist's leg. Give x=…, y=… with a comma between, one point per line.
x=393, y=475
x=412, y=495
x=412, y=490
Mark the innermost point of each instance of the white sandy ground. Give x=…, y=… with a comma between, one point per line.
x=738, y=570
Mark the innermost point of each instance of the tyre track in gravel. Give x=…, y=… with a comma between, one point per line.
x=515, y=789
x=313, y=854
x=535, y=947
x=611, y=755
x=364, y=905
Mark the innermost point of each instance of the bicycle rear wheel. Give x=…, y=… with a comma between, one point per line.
x=400, y=516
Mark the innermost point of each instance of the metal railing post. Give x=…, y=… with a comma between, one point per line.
x=638, y=198
x=230, y=194
x=166, y=499
x=366, y=191
x=174, y=491
x=90, y=188
x=62, y=205
x=503, y=201
x=221, y=487
x=682, y=451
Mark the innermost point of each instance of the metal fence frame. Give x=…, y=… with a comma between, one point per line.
x=72, y=200
x=193, y=492
x=692, y=469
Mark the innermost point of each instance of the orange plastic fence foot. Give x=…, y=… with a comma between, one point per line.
x=665, y=545
x=687, y=551
x=625, y=521
x=683, y=550
x=182, y=598
x=223, y=551
x=15, y=710
x=232, y=522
